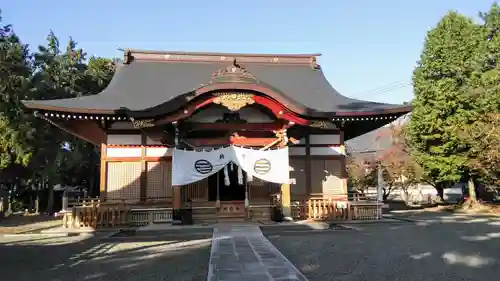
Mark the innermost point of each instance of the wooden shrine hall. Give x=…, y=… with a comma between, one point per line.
x=160, y=101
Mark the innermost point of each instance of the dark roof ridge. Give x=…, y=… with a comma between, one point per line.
x=132, y=54
x=138, y=51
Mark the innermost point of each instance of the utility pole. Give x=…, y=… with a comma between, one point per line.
x=380, y=186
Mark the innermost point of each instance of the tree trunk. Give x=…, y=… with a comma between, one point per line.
x=9, y=202
x=440, y=191
x=50, y=200
x=385, y=194
x=37, y=203
x=31, y=202
x=472, y=190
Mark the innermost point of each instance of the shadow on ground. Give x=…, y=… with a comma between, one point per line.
x=93, y=258
x=440, y=246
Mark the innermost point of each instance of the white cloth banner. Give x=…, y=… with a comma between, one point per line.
x=192, y=166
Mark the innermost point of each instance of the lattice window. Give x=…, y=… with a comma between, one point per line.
x=167, y=177
x=256, y=188
x=298, y=174
x=260, y=189
x=123, y=181
x=195, y=191
x=155, y=189
x=318, y=174
x=159, y=178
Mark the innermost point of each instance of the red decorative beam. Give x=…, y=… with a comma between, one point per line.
x=184, y=113
x=280, y=110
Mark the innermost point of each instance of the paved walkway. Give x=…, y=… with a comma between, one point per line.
x=242, y=253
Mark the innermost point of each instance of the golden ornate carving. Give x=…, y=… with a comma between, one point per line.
x=319, y=124
x=234, y=101
x=145, y=123
x=235, y=70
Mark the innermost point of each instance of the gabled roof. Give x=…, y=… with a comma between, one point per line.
x=150, y=80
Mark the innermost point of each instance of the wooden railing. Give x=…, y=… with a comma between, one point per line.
x=142, y=217
x=96, y=216
x=87, y=201
x=92, y=213
x=333, y=209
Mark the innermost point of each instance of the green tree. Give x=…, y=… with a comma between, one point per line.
x=15, y=73
x=442, y=102
x=59, y=74
x=483, y=135
x=32, y=150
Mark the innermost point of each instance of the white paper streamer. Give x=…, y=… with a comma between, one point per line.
x=240, y=176
x=227, y=182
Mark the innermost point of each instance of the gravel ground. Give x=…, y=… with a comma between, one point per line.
x=443, y=247
x=85, y=257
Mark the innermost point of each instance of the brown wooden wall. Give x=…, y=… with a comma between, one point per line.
x=159, y=180
x=146, y=178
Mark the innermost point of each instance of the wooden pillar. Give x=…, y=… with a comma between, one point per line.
x=176, y=202
x=103, y=173
x=343, y=163
x=308, y=166
x=285, y=201
x=144, y=170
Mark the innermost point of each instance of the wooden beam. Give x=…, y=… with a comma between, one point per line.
x=232, y=127
x=230, y=140
x=308, y=165
x=87, y=130
x=143, y=177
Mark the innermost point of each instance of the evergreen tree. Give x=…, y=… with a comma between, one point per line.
x=483, y=135
x=15, y=72
x=442, y=101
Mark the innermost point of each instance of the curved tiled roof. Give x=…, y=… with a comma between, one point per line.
x=153, y=80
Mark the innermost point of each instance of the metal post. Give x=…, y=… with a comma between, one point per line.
x=65, y=200
x=217, y=200
x=247, y=202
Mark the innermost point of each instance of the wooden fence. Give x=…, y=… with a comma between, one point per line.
x=92, y=213
x=331, y=209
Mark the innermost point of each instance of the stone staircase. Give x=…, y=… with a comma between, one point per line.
x=260, y=213
x=229, y=212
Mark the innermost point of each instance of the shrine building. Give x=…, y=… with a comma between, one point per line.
x=162, y=102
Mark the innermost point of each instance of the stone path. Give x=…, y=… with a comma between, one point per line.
x=242, y=253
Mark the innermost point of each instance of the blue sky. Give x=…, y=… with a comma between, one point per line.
x=369, y=47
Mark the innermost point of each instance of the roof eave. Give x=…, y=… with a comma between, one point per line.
x=47, y=107
x=395, y=110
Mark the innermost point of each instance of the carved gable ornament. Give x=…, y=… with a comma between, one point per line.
x=233, y=73
x=234, y=101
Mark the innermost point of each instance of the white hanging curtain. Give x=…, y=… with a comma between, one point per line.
x=192, y=166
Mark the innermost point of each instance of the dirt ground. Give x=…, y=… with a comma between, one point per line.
x=16, y=224
x=475, y=209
